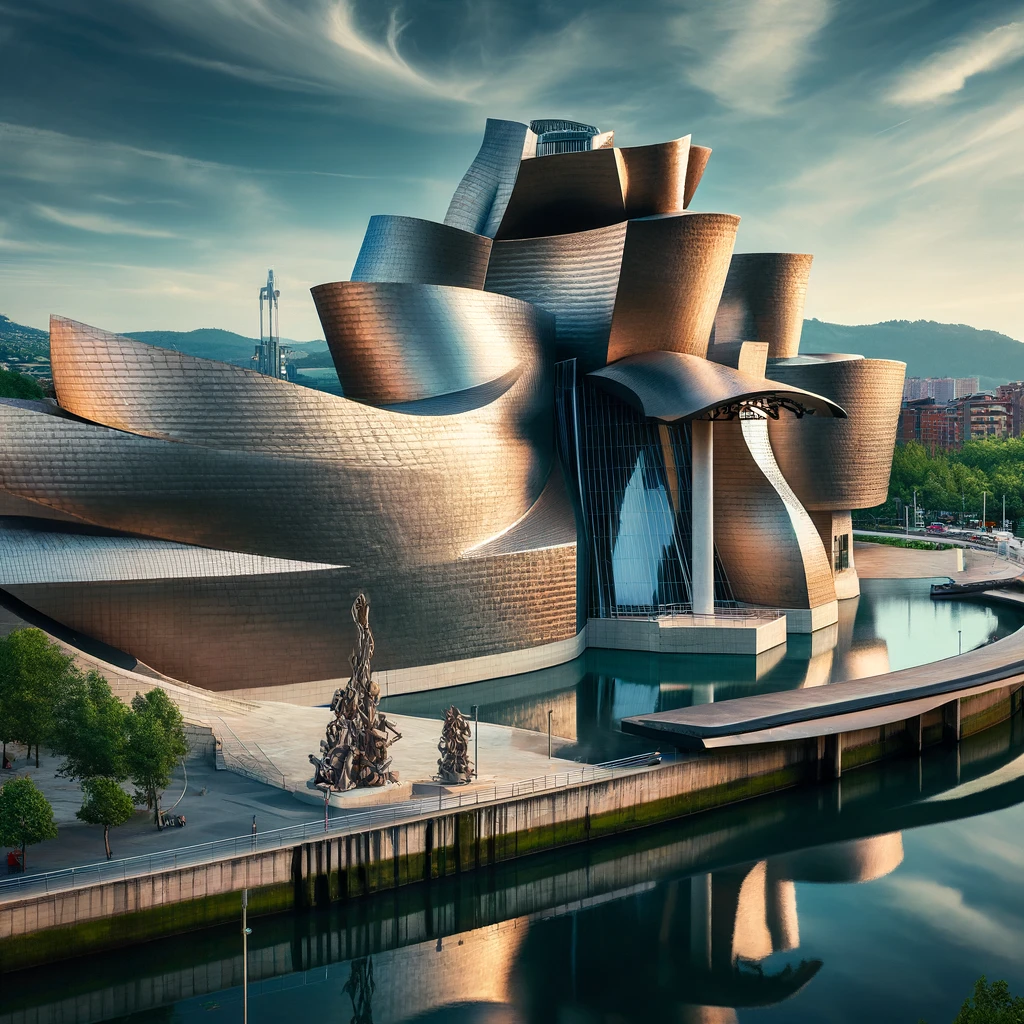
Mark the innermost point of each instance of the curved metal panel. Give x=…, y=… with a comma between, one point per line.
x=555, y=195
x=404, y=342
x=348, y=484
x=673, y=270
x=38, y=555
x=763, y=300
x=480, y=200
x=573, y=276
x=695, y=166
x=408, y=250
x=267, y=630
x=769, y=546
x=670, y=386
x=655, y=177
x=840, y=465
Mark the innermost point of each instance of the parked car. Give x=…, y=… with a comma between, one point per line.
x=937, y=528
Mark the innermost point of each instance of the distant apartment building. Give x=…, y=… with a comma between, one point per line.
x=931, y=423
x=982, y=415
x=940, y=426
x=942, y=389
x=1013, y=395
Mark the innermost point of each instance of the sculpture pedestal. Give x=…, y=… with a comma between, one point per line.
x=352, y=799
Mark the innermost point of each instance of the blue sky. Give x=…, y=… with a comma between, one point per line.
x=157, y=156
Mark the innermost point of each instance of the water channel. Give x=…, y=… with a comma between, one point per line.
x=894, y=624
x=882, y=896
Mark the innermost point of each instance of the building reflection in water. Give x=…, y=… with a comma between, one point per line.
x=690, y=949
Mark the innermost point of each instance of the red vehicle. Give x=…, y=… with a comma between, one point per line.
x=936, y=528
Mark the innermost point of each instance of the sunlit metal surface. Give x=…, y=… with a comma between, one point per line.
x=480, y=200
x=763, y=300
x=770, y=548
x=673, y=270
x=404, y=342
x=670, y=386
x=655, y=177
x=695, y=166
x=574, y=276
x=840, y=465
x=413, y=251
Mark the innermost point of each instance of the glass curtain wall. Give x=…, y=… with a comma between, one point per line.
x=632, y=478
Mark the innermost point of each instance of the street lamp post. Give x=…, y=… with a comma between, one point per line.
x=550, y=713
x=246, y=932
x=476, y=741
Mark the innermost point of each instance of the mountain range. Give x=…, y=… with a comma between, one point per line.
x=929, y=349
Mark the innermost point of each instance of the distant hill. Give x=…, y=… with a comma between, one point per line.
x=929, y=349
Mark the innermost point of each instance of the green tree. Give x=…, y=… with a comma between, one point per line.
x=91, y=730
x=106, y=804
x=34, y=673
x=26, y=816
x=18, y=385
x=156, y=743
x=991, y=1004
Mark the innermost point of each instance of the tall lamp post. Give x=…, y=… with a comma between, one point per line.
x=246, y=932
x=476, y=741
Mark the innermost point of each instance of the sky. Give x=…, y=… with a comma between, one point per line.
x=158, y=156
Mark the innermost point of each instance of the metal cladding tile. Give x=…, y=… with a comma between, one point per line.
x=573, y=276
x=670, y=386
x=673, y=271
x=763, y=300
x=840, y=465
x=695, y=166
x=655, y=177
x=405, y=342
x=289, y=628
x=413, y=251
x=378, y=487
x=769, y=545
x=566, y=192
x=479, y=202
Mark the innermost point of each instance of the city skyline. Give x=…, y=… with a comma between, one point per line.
x=883, y=139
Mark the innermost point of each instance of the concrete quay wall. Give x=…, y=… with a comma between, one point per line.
x=44, y=928
x=41, y=929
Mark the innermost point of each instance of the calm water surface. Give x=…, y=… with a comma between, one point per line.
x=881, y=897
x=878, y=898
x=894, y=624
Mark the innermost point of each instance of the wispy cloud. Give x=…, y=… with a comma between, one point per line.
x=944, y=910
x=748, y=53
x=947, y=71
x=318, y=46
x=98, y=223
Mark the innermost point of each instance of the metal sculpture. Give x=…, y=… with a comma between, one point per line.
x=355, y=752
x=454, y=765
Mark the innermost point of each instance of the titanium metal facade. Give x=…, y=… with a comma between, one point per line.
x=512, y=452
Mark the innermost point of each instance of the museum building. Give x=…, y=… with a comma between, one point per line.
x=571, y=414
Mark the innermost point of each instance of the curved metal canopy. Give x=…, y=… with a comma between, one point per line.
x=671, y=386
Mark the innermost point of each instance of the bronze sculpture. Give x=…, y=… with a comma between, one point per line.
x=454, y=765
x=355, y=752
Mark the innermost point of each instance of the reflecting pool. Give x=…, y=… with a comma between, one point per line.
x=880, y=897
x=894, y=624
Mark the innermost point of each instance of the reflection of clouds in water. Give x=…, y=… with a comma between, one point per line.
x=646, y=526
x=942, y=908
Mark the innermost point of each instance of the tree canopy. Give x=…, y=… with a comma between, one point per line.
x=34, y=675
x=106, y=804
x=26, y=816
x=17, y=385
x=156, y=743
x=954, y=481
x=91, y=730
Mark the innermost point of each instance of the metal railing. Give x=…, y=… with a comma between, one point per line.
x=347, y=823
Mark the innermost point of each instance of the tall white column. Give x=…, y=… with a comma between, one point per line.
x=703, y=514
